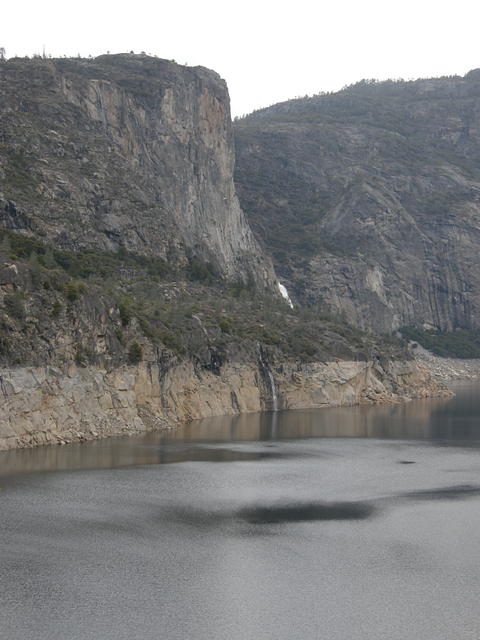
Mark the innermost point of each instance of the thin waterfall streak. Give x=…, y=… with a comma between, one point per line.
x=273, y=390
x=266, y=369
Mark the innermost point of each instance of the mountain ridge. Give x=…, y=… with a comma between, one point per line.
x=368, y=199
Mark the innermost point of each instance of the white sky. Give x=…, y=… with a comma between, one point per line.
x=266, y=51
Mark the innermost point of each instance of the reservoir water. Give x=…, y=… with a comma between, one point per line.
x=358, y=523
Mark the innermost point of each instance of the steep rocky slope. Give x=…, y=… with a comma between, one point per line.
x=132, y=292
x=123, y=347
x=369, y=199
x=124, y=151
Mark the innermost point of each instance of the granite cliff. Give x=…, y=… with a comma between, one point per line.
x=124, y=151
x=369, y=199
x=46, y=405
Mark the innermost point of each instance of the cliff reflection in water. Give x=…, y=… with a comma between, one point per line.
x=451, y=420
x=404, y=421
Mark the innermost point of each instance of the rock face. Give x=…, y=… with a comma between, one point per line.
x=125, y=152
x=45, y=405
x=107, y=165
x=369, y=199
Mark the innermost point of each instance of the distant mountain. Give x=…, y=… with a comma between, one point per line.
x=369, y=199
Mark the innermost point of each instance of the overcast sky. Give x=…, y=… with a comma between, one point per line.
x=267, y=51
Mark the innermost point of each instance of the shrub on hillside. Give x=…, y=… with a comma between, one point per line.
x=135, y=353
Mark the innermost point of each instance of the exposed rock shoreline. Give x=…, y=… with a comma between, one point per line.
x=445, y=369
x=45, y=405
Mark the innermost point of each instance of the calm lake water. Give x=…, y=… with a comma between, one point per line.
x=360, y=523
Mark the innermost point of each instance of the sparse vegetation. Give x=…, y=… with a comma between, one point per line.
x=199, y=270
x=15, y=304
x=188, y=318
x=462, y=343
x=74, y=289
x=135, y=353
x=57, y=309
x=125, y=311
x=4, y=346
x=83, y=356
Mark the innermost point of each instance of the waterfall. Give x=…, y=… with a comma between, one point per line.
x=202, y=328
x=265, y=367
x=283, y=290
x=273, y=390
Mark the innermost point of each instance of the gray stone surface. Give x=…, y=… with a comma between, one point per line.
x=41, y=405
x=124, y=151
x=369, y=199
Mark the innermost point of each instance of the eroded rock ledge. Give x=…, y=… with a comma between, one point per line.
x=45, y=405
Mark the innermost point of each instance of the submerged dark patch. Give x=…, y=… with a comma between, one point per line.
x=313, y=511
x=445, y=493
x=175, y=455
x=274, y=514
